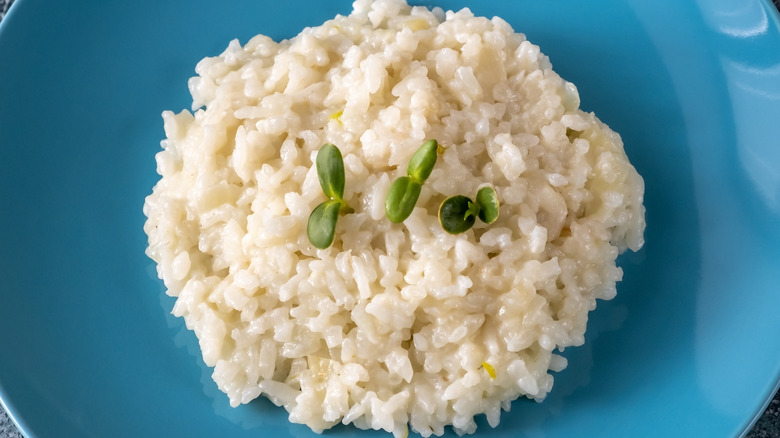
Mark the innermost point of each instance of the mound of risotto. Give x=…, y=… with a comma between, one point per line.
x=395, y=325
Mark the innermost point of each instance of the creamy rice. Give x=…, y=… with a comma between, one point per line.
x=394, y=325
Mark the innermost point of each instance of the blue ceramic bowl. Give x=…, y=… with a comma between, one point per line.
x=690, y=346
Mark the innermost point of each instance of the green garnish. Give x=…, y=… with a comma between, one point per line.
x=422, y=162
x=322, y=224
x=405, y=190
x=321, y=228
x=487, y=200
x=458, y=214
x=330, y=171
x=401, y=198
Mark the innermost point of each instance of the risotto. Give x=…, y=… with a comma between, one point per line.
x=395, y=326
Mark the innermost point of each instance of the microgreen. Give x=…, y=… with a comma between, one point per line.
x=404, y=191
x=455, y=214
x=401, y=198
x=422, y=162
x=321, y=228
x=487, y=200
x=458, y=214
x=330, y=170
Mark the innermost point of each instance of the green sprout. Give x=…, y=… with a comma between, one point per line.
x=321, y=228
x=458, y=214
x=405, y=190
x=487, y=200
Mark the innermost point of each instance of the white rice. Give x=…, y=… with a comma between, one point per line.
x=395, y=325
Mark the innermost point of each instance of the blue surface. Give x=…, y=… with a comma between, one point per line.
x=690, y=347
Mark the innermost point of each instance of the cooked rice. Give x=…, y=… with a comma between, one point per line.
x=395, y=324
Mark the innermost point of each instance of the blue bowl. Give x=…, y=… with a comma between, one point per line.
x=690, y=346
